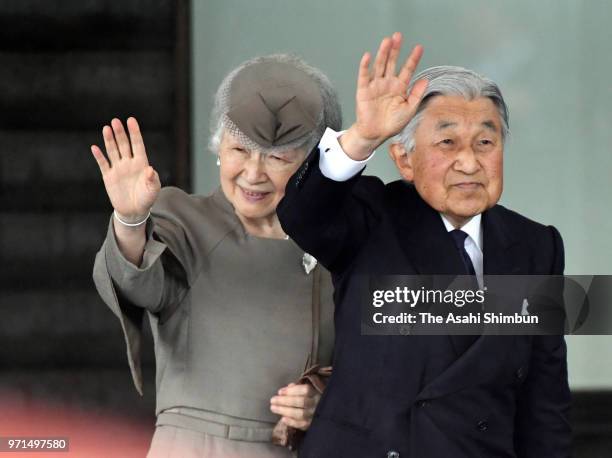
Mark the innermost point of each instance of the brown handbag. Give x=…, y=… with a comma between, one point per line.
x=315, y=375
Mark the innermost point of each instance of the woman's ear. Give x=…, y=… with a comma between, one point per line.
x=403, y=160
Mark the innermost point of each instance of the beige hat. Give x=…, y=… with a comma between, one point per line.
x=274, y=104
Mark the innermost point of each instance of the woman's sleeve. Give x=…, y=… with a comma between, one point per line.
x=158, y=285
x=141, y=286
x=168, y=263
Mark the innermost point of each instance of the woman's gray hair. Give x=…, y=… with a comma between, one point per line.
x=449, y=80
x=331, y=115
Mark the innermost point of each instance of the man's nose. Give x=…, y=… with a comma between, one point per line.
x=467, y=161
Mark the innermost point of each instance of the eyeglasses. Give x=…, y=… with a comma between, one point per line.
x=276, y=162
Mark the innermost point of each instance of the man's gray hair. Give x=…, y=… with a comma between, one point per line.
x=331, y=115
x=449, y=80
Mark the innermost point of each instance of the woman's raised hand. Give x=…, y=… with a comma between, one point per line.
x=131, y=183
x=383, y=104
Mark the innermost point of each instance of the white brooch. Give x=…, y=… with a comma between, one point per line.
x=308, y=262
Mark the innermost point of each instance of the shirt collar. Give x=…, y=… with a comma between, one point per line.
x=472, y=228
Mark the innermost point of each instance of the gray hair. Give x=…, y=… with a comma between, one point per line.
x=331, y=115
x=449, y=80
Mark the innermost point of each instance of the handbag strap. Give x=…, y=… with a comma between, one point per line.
x=316, y=315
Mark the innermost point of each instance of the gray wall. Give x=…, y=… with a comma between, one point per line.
x=551, y=59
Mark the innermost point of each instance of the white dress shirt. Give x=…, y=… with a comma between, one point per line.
x=334, y=163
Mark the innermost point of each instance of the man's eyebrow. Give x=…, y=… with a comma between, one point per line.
x=444, y=124
x=490, y=125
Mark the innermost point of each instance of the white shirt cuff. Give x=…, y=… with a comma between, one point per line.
x=334, y=163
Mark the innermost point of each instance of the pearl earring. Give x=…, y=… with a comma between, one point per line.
x=218, y=161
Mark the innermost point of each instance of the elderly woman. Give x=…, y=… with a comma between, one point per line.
x=235, y=306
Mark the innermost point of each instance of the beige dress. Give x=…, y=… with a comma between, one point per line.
x=231, y=316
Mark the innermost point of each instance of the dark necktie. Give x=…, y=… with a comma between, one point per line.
x=459, y=237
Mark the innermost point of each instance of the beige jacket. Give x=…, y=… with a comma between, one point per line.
x=231, y=314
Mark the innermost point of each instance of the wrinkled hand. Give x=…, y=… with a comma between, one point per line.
x=383, y=104
x=131, y=183
x=296, y=405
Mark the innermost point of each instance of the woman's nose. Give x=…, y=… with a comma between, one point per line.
x=254, y=168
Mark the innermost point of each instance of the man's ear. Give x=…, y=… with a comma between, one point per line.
x=403, y=160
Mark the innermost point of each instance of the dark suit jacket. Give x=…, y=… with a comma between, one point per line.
x=425, y=396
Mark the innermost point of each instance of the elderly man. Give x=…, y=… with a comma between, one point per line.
x=426, y=396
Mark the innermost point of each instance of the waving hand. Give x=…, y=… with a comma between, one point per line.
x=131, y=183
x=383, y=104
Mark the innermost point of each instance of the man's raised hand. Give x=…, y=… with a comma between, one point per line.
x=383, y=104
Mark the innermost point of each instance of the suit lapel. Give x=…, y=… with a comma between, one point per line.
x=423, y=237
x=434, y=253
x=430, y=248
x=503, y=254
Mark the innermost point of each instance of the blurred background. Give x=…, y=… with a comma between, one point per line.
x=67, y=67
